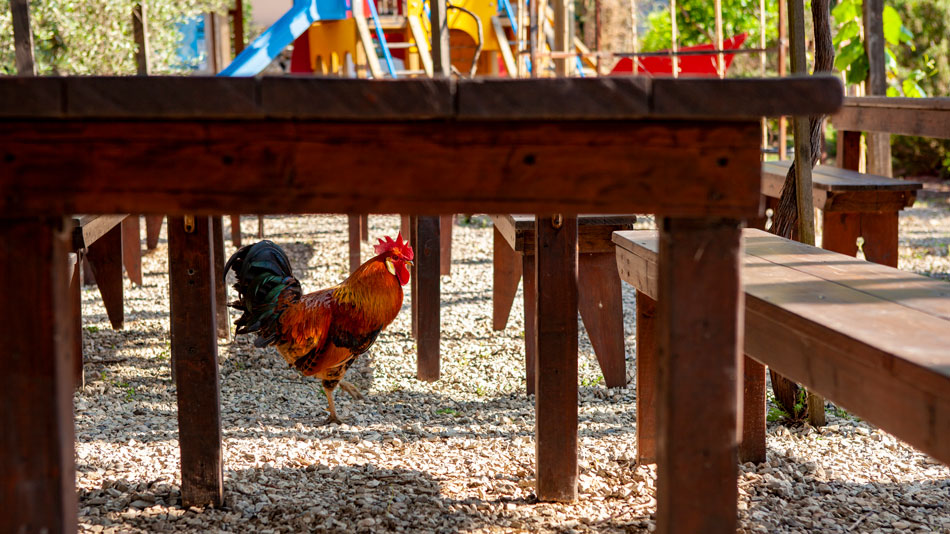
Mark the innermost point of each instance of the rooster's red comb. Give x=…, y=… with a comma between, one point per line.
x=389, y=244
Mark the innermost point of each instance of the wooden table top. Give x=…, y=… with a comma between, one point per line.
x=613, y=98
x=829, y=178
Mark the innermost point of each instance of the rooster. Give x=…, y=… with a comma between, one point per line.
x=321, y=333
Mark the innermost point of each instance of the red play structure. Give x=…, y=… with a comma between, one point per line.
x=692, y=66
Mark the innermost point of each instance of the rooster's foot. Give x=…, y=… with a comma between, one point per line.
x=332, y=420
x=351, y=389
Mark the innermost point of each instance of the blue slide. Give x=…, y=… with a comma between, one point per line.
x=291, y=25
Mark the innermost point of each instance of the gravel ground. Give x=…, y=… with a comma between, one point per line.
x=456, y=455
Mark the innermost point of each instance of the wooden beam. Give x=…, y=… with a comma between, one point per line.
x=153, y=229
x=439, y=28
x=506, y=274
x=194, y=347
x=803, y=148
x=428, y=303
x=879, y=144
x=132, y=248
x=353, y=238
x=446, y=222
x=105, y=258
x=646, y=377
x=37, y=462
x=556, y=360
x=222, y=319
x=300, y=167
x=140, y=35
x=563, y=36
x=22, y=37
x=700, y=332
x=782, y=52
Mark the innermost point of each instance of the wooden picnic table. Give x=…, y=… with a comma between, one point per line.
x=687, y=150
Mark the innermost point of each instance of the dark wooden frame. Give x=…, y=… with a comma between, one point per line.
x=294, y=146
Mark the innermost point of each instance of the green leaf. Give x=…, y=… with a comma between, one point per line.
x=892, y=25
x=845, y=11
x=890, y=62
x=858, y=70
x=913, y=90
x=849, y=31
x=907, y=37
x=892, y=91
x=849, y=54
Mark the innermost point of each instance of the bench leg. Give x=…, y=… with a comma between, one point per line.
x=260, y=227
x=646, y=379
x=404, y=227
x=222, y=318
x=153, y=227
x=556, y=362
x=840, y=232
x=105, y=259
x=752, y=445
x=413, y=222
x=132, y=248
x=236, y=230
x=600, y=303
x=506, y=274
x=880, y=232
x=194, y=347
x=530, y=321
x=427, y=290
x=364, y=228
x=445, y=248
x=75, y=310
x=353, y=234
x=699, y=345
x=37, y=462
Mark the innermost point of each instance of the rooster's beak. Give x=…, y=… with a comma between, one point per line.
x=409, y=263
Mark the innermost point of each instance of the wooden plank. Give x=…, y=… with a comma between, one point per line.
x=212, y=98
x=132, y=248
x=879, y=144
x=709, y=169
x=556, y=362
x=601, y=307
x=880, y=231
x=836, y=179
x=530, y=296
x=105, y=258
x=691, y=97
x=698, y=340
x=140, y=36
x=646, y=378
x=593, y=232
x=506, y=274
x=925, y=117
x=753, y=417
x=843, y=190
x=222, y=320
x=22, y=38
x=37, y=462
x=75, y=310
x=194, y=347
x=89, y=228
x=849, y=146
x=364, y=227
x=439, y=31
x=236, y=231
x=426, y=247
x=840, y=232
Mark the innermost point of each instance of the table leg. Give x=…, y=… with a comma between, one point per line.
x=75, y=310
x=752, y=444
x=153, y=227
x=413, y=222
x=445, y=248
x=699, y=343
x=105, y=259
x=37, y=462
x=840, y=232
x=354, y=224
x=880, y=232
x=428, y=303
x=364, y=228
x=236, y=230
x=556, y=362
x=646, y=379
x=530, y=321
x=506, y=274
x=194, y=347
x=601, y=306
x=222, y=319
x=132, y=248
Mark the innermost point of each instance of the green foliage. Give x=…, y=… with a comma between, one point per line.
x=852, y=59
x=928, y=50
x=696, y=23
x=88, y=37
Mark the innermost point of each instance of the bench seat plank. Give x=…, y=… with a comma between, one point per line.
x=869, y=337
x=835, y=189
x=593, y=231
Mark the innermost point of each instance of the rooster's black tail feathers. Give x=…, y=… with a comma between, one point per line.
x=263, y=274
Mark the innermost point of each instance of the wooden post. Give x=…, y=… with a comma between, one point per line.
x=132, y=248
x=720, y=58
x=879, y=143
x=534, y=39
x=237, y=38
x=441, y=64
x=37, y=462
x=563, y=35
x=506, y=273
x=364, y=227
x=530, y=296
x=556, y=362
x=446, y=222
x=105, y=260
x=353, y=238
x=222, y=318
x=674, y=49
x=75, y=302
x=260, y=227
x=140, y=34
x=153, y=228
x=763, y=58
x=699, y=339
x=601, y=305
x=752, y=444
x=414, y=277
x=426, y=247
x=22, y=37
x=646, y=379
x=194, y=348
x=782, y=44
x=236, y=230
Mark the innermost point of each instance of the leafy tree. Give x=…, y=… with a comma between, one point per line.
x=696, y=23
x=95, y=37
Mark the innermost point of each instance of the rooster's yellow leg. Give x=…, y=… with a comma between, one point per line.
x=333, y=418
x=351, y=389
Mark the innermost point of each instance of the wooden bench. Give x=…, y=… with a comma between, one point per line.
x=870, y=337
x=598, y=286
x=853, y=205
